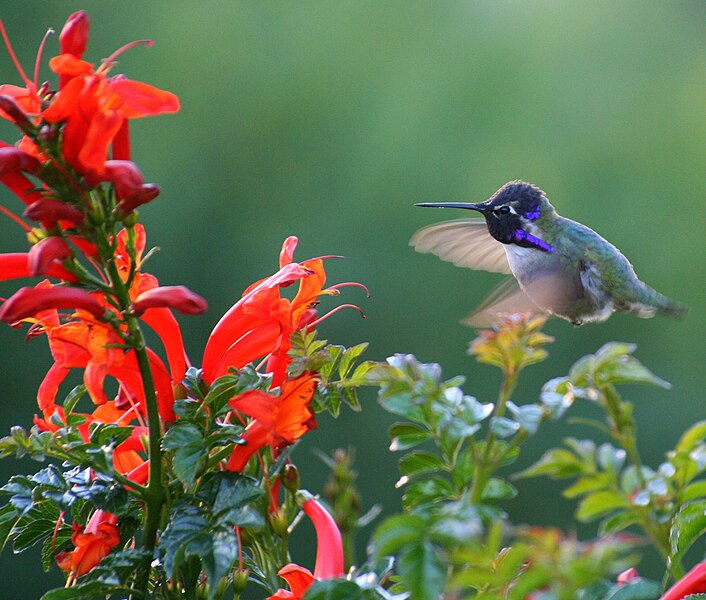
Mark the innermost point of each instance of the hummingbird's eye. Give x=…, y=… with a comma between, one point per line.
x=503, y=210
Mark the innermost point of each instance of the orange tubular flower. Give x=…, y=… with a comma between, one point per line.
x=93, y=543
x=329, y=554
x=277, y=421
x=261, y=323
x=27, y=302
x=95, y=108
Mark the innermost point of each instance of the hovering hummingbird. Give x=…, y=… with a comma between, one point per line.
x=559, y=266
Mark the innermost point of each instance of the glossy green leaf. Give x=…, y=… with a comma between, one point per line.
x=407, y=435
x=688, y=525
x=422, y=571
x=82, y=591
x=396, y=532
x=417, y=463
x=599, y=503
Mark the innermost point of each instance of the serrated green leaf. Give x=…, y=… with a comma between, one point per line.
x=54, y=544
x=407, y=435
x=350, y=355
x=426, y=491
x=234, y=496
x=418, y=462
x=190, y=450
x=422, y=571
x=599, y=503
x=30, y=531
x=8, y=520
x=688, y=525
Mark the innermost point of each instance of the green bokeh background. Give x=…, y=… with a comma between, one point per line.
x=329, y=120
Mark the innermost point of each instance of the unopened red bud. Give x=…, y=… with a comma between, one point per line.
x=50, y=211
x=16, y=114
x=178, y=297
x=13, y=159
x=73, y=38
x=125, y=177
x=27, y=302
x=43, y=254
x=147, y=193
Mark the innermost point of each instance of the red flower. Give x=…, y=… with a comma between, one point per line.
x=694, y=582
x=178, y=297
x=27, y=302
x=329, y=554
x=95, y=107
x=261, y=323
x=92, y=544
x=277, y=421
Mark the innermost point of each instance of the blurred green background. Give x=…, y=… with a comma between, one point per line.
x=329, y=120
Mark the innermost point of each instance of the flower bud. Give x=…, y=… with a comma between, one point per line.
x=50, y=211
x=73, y=38
x=178, y=297
x=43, y=254
x=13, y=159
x=27, y=302
x=290, y=478
x=240, y=580
x=16, y=114
x=147, y=193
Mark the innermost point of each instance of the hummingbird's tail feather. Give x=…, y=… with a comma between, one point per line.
x=672, y=309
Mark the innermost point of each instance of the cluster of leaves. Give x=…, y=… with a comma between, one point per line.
x=453, y=538
x=613, y=485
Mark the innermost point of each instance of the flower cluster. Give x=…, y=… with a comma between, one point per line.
x=73, y=172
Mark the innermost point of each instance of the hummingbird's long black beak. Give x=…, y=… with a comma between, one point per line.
x=479, y=206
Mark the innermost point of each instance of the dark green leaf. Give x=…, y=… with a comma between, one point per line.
x=422, y=571
x=83, y=591
x=416, y=463
x=190, y=446
x=72, y=398
x=8, y=520
x=396, y=532
x=688, y=525
x=637, y=589
x=498, y=489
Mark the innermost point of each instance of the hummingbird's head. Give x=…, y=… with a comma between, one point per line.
x=511, y=213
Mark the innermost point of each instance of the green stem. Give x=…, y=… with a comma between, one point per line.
x=486, y=465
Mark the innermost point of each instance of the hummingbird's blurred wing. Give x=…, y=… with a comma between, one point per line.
x=465, y=243
x=506, y=298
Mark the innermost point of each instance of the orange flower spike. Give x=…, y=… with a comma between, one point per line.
x=92, y=544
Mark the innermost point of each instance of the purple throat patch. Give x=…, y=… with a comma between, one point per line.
x=534, y=214
x=522, y=237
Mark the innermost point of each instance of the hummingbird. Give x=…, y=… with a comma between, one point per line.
x=559, y=266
